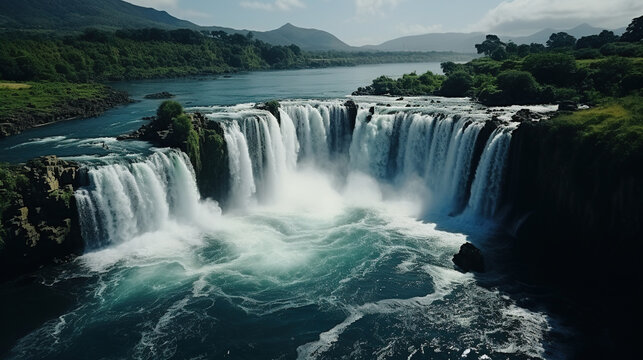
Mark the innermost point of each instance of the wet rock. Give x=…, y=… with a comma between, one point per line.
x=525, y=115
x=41, y=222
x=352, y=108
x=469, y=258
x=567, y=106
x=159, y=95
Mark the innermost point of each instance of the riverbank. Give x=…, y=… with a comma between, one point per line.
x=32, y=104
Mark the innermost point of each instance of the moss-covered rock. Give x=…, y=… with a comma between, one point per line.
x=40, y=221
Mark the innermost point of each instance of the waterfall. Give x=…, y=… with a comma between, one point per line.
x=126, y=200
x=442, y=150
x=486, y=190
x=241, y=176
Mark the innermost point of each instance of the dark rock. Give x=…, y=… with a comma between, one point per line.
x=272, y=107
x=41, y=222
x=352, y=108
x=160, y=95
x=525, y=115
x=400, y=99
x=469, y=258
x=567, y=106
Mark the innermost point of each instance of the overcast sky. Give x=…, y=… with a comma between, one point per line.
x=361, y=22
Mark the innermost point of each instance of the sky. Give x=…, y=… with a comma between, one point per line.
x=363, y=22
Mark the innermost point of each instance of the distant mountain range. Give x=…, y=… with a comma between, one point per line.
x=75, y=15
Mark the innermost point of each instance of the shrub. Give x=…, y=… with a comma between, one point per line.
x=182, y=125
x=458, y=83
x=167, y=111
x=551, y=68
x=632, y=82
x=518, y=87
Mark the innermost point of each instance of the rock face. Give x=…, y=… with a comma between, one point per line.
x=41, y=224
x=469, y=258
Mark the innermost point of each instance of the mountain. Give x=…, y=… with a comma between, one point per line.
x=458, y=42
x=75, y=15
x=465, y=42
x=542, y=36
x=78, y=14
x=306, y=39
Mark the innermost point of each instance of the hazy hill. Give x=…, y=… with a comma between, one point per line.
x=79, y=14
x=307, y=39
x=458, y=42
x=465, y=42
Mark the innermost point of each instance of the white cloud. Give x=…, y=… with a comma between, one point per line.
x=528, y=15
x=281, y=5
x=416, y=29
x=154, y=3
x=374, y=7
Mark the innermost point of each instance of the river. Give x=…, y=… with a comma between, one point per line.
x=335, y=243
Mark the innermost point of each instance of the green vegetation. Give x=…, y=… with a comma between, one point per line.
x=11, y=183
x=167, y=111
x=43, y=97
x=97, y=55
x=587, y=70
x=24, y=105
x=616, y=124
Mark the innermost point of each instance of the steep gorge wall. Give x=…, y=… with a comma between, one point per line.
x=577, y=203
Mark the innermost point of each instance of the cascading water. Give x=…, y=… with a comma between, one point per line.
x=399, y=146
x=308, y=267
x=126, y=200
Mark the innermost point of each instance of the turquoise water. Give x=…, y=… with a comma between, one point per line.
x=330, y=266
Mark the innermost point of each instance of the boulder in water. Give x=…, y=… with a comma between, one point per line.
x=160, y=95
x=469, y=258
x=567, y=106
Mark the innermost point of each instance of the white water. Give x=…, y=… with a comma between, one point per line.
x=305, y=253
x=125, y=200
x=430, y=151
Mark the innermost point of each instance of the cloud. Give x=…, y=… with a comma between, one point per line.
x=281, y=5
x=515, y=16
x=375, y=7
x=155, y=3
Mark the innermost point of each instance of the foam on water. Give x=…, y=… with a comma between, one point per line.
x=322, y=257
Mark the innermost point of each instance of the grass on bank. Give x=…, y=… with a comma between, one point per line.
x=615, y=122
x=44, y=97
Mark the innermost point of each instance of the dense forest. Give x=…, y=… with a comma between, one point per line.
x=97, y=55
x=565, y=69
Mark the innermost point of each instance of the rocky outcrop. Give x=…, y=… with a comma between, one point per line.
x=41, y=224
x=469, y=258
x=271, y=107
x=352, y=108
x=159, y=95
x=209, y=156
x=73, y=109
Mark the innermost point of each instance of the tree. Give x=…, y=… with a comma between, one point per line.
x=560, y=40
x=634, y=31
x=596, y=41
x=182, y=125
x=167, y=111
x=458, y=83
x=551, y=68
x=518, y=87
x=491, y=44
